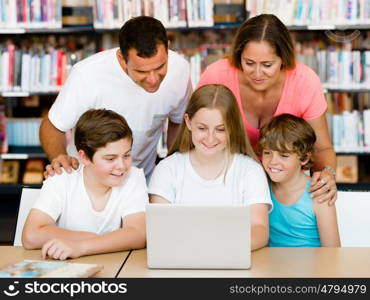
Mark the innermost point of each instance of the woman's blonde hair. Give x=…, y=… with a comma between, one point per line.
x=220, y=97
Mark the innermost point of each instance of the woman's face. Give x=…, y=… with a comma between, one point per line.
x=261, y=66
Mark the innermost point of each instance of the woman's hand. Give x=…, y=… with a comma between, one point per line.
x=323, y=187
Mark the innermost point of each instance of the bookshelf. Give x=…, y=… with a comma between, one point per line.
x=200, y=29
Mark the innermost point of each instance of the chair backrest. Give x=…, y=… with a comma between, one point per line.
x=28, y=198
x=353, y=212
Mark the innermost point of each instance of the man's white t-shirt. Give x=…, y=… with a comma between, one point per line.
x=175, y=180
x=100, y=82
x=65, y=200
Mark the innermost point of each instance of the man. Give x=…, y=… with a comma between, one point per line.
x=141, y=80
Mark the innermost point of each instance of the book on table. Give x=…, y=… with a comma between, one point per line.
x=47, y=268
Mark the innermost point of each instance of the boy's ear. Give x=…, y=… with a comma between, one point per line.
x=84, y=158
x=187, y=121
x=306, y=159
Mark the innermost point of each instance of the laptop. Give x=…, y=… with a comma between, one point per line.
x=183, y=236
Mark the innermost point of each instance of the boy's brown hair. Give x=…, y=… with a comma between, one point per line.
x=98, y=127
x=289, y=134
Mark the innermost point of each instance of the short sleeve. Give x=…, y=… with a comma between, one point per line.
x=256, y=189
x=162, y=182
x=51, y=199
x=72, y=101
x=138, y=196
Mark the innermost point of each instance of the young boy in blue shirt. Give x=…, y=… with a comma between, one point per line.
x=287, y=145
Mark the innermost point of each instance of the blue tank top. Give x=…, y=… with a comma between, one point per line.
x=294, y=225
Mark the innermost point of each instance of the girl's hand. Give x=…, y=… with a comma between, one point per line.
x=323, y=187
x=61, y=249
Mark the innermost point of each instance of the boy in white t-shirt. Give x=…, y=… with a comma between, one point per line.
x=99, y=207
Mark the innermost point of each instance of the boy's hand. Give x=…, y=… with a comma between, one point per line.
x=61, y=249
x=323, y=187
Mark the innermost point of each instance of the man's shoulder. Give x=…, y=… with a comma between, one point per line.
x=101, y=59
x=177, y=60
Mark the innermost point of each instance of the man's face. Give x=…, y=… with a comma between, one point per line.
x=147, y=72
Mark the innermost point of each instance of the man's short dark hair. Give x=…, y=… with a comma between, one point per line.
x=143, y=34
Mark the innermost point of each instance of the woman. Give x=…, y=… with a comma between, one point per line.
x=267, y=81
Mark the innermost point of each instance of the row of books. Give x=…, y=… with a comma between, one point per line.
x=339, y=102
x=314, y=13
x=349, y=121
x=204, y=56
x=26, y=172
x=172, y=13
x=41, y=68
x=30, y=14
x=23, y=131
x=350, y=131
x=344, y=67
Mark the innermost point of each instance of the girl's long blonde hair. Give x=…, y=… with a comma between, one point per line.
x=220, y=97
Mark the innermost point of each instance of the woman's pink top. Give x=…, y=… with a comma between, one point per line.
x=302, y=94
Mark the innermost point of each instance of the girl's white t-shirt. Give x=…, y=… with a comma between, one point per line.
x=175, y=180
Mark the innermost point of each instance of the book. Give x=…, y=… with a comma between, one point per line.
x=45, y=268
x=9, y=171
x=3, y=133
x=33, y=173
x=347, y=169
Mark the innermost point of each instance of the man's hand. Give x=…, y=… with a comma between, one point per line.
x=61, y=161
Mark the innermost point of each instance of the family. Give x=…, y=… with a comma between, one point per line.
x=252, y=132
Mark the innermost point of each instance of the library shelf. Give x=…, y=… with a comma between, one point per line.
x=319, y=27
x=353, y=153
x=62, y=30
x=19, y=94
x=21, y=156
x=358, y=187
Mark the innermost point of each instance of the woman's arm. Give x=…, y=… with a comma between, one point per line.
x=326, y=217
x=323, y=183
x=132, y=235
x=259, y=225
x=40, y=228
